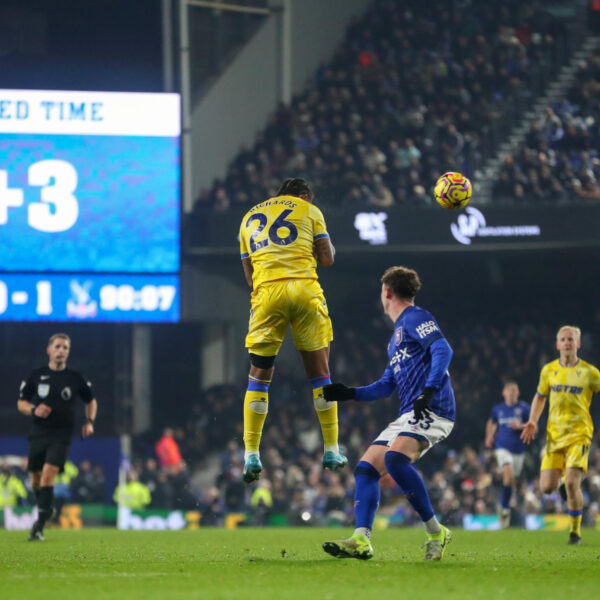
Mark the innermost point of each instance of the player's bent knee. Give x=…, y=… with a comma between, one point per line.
x=548, y=487
x=366, y=468
x=260, y=407
x=572, y=486
x=322, y=404
x=262, y=362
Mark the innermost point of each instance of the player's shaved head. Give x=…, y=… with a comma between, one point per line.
x=572, y=328
x=403, y=282
x=295, y=186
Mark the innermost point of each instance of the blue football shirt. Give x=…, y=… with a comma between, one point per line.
x=409, y=365
x=504, y=416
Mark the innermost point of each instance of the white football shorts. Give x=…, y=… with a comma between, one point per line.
x=433, y=428
x=506, y=457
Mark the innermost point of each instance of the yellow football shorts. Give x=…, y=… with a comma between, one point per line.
x=299, y=303
x=573, y=456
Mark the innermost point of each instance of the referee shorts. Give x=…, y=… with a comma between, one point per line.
x=48, y=448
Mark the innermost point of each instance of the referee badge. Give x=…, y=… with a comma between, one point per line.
x=66, y=393
x=43, y=389
x=398, y=336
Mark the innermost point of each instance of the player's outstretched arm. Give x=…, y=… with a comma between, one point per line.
x=382, y=388
x=324, y=251
x=531, y=427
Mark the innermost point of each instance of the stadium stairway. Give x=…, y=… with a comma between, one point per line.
x=554, y=92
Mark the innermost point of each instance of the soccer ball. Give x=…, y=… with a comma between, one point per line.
x=453, y=190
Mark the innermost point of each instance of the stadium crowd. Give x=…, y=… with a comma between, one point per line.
x=402, y=100
x=558, y=159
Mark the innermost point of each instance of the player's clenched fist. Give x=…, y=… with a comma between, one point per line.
x=337, y=392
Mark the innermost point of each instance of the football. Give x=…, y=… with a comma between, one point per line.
x=453, y=190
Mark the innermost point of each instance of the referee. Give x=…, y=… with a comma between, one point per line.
x=48, y=397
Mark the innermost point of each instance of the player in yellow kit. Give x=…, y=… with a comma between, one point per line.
x=281, y=241
x=569, y=382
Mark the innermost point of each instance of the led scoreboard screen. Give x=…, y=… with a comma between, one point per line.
x=89, y=206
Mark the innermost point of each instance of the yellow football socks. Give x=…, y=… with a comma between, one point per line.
x=327, y=412
x=256, y=407
x=575, y=521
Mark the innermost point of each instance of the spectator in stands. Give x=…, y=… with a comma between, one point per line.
x=167, y=451
x=149, y=475
x=261, y=503
x=133, y=494
x=163, y=496
x=211, y=510
x=12, y=489
x=88, y=485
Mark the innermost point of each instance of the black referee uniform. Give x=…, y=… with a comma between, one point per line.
x=50, y=438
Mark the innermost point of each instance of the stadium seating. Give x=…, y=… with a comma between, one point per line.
x=558, y=161
x=413, y=91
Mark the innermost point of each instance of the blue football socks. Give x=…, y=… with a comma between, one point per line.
x=410, y=482
x=505, y=496
x=366, y=497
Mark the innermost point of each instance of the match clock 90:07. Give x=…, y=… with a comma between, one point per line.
x=89, y=297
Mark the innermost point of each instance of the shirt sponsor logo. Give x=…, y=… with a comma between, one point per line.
x=43, y=389
x=508, y=421
x=426, y=328
x=567, y=389
x=400, y=355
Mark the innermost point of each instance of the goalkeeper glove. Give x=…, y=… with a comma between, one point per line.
x=338, y=391
x=421, y=405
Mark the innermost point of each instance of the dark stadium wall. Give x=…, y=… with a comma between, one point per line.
x=463, y=290
x=323, y=23
x=113, y=45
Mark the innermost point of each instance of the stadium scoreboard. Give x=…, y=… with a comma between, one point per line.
x=89, y=206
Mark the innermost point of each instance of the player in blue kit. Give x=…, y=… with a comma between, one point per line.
x=503, y=431
x=417, y=370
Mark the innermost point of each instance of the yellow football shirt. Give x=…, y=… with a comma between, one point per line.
x=278, y=236
x=570, y=391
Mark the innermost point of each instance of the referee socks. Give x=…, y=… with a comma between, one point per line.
x=45, y=499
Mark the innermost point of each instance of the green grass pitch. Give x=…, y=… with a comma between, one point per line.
x=265, y=564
